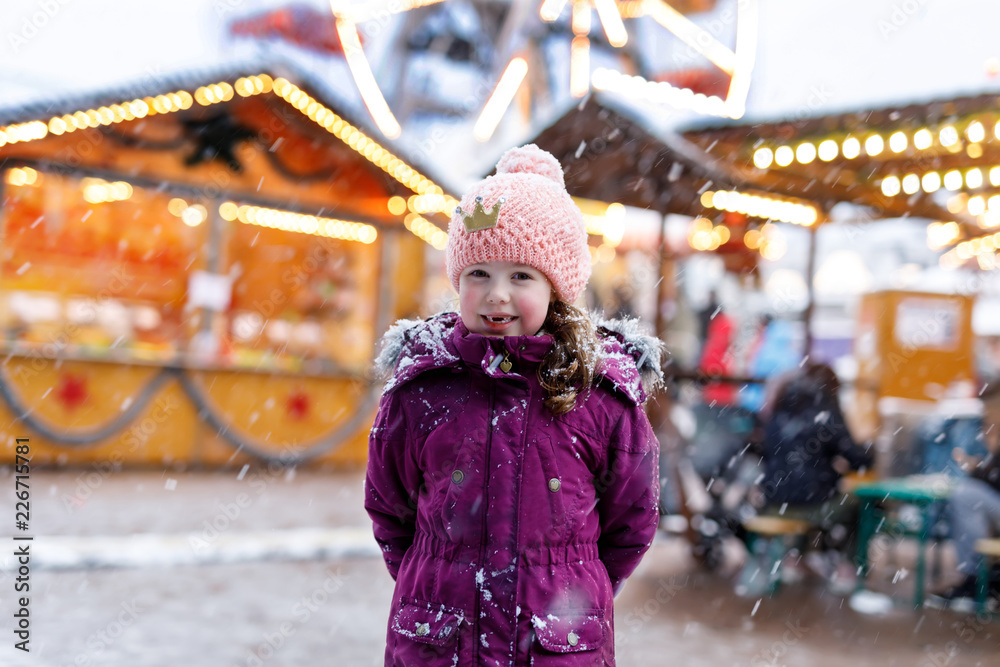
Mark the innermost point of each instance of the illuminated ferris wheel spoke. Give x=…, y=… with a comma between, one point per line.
x=357, y=62
x=579, y=66
x=746, y=45
x=692, y=35
x=501, y=98
x=611, y=21
x=737, y=64
x=551, y=9
x=371, y=94
x=579, y=50
x=514, y=72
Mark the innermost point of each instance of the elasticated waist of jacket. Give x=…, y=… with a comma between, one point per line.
x=569, y=553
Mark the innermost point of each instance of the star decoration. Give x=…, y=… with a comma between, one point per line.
x=216, y=138
x=72, y=391
x=297, y=405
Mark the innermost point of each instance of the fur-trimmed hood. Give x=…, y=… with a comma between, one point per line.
x=646, y=351
x=629, y=359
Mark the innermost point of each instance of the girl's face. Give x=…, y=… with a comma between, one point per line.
x=503, y=299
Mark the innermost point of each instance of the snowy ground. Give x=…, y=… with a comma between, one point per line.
x=301, y=588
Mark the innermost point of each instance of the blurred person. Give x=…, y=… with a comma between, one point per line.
x=773, y=355
x=707, y=314
x=717, y=359
x=807, y=446
x=805, y=450
x=622, y=300
x=512, y=477
x=987, y=351
x=973, y=512
x=758, y=337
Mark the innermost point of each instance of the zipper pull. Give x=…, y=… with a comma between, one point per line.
x=494, y=362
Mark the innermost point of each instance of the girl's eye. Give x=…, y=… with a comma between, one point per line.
x=522, y=276
x=477, y=273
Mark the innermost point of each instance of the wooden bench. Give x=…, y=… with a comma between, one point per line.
x=773, y=526
x=775, y=529
x=988, y=549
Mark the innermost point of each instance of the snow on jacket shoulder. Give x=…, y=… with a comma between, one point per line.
x=508, y=530
x=630, y=360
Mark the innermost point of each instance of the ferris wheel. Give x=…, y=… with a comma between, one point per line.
x=475, y=58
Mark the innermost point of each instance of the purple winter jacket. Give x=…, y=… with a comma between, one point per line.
x=508, y=530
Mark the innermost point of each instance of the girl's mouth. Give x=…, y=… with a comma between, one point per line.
x=497, y=321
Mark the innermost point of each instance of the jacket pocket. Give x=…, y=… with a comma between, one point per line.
x=572, y=631
x=427, y=622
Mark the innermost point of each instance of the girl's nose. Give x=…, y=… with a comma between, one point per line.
x=498, y=293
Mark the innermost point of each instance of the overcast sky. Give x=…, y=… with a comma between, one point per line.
x=812, y=56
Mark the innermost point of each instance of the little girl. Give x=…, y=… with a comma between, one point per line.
x=512, y=474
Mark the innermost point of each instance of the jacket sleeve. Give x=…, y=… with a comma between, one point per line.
x=988, y=470
x=845, y=447
x=628, y=491
x=392, y=483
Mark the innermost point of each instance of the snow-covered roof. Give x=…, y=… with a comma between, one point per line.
x=609, y=153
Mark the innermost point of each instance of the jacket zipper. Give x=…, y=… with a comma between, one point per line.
x=517, y=519
x=482, y=532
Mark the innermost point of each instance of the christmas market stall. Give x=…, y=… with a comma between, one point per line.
x=196, y=270
x=937, y=161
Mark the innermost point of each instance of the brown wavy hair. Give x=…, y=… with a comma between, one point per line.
x=568, y=368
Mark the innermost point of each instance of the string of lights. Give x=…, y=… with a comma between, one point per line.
x=217, y=93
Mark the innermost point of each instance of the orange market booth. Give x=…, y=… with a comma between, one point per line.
x=915, y=354
x=196, y=272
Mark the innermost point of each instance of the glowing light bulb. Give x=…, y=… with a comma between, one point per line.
x=953, y=180
x=850, y=148
x=931, y=182
x=805, y=153
x=974, y=179
x=874, y=145
x=948, y=136
x=923, y=139
x=784, y=155
x=828, y=150
x=975, y=132
x=898, y=142
x=890, y=186
x=976, y=206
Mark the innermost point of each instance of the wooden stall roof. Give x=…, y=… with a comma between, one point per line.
x=921, y=138
x=319, y=144
x=610, y=153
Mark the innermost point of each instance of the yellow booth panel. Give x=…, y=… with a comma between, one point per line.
x=82, y=413
x=916, y=345
x=146, y=417
x=274, y=416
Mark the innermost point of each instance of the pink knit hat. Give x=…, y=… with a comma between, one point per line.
x=537, y=223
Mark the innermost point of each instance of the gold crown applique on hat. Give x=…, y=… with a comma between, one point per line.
x=481, y=218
